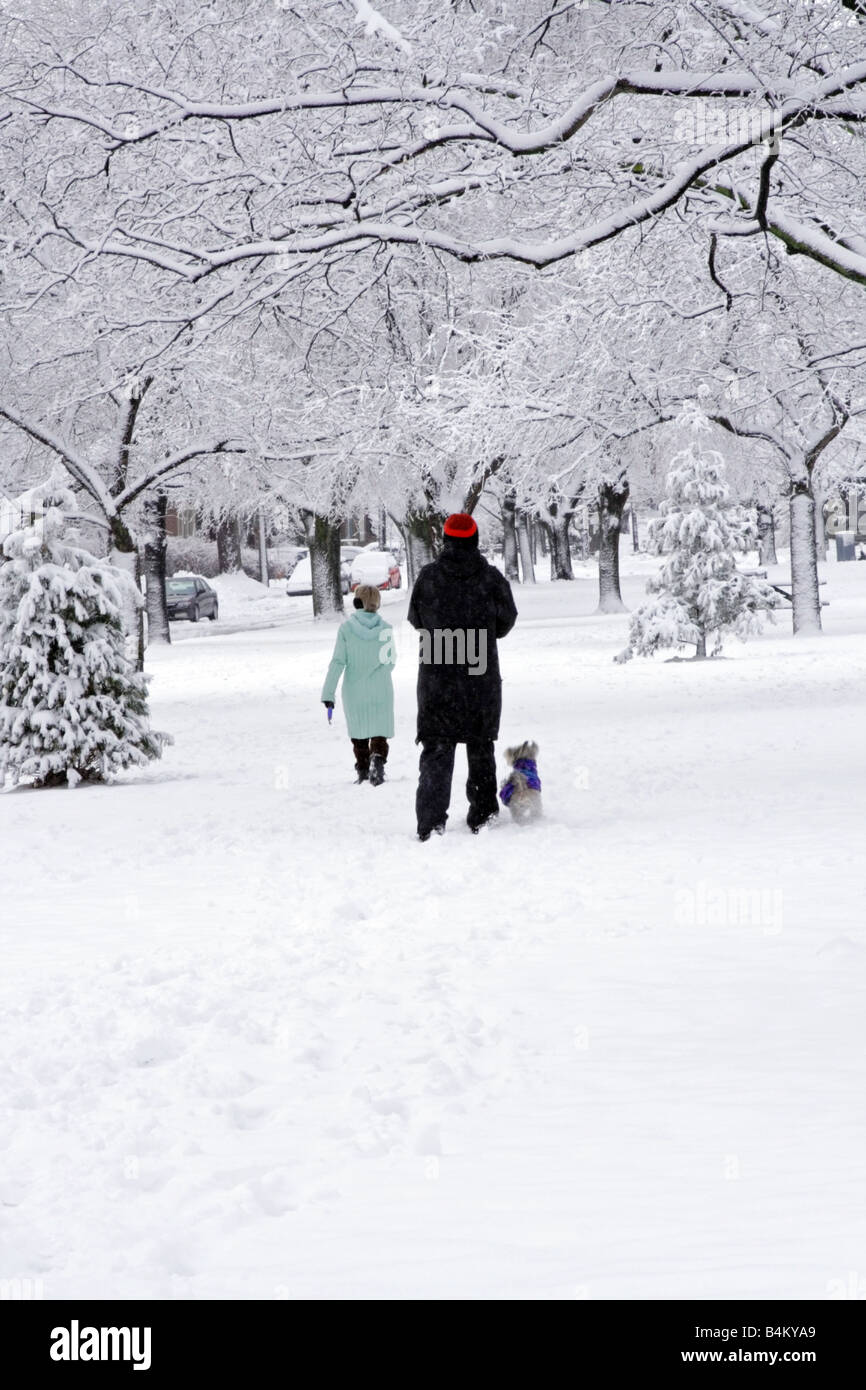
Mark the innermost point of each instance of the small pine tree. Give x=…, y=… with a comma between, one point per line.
x=700, y=593
x=71, y=704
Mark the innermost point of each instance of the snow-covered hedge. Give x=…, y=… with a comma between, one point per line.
x=196, y=555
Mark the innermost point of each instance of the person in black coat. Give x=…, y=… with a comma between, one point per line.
x=461, y=606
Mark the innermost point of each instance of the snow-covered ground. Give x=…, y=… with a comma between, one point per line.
x=259, y=1042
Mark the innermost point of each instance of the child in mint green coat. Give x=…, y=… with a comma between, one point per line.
x=364, y=655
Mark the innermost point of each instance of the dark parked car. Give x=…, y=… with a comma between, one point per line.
x=190, y=596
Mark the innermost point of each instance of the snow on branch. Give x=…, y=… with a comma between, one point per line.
x=768, y=436
x=78, y=468
x=801, y=238
x=511, y=136
x=375, y=23
x=196, y=449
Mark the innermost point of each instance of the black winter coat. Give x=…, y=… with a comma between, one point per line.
x=460, y=593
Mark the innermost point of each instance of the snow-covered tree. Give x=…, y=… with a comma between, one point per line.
x=360, y=181
x=699, y=593
x=72, y=706
x=461, y=128
x=554, y=389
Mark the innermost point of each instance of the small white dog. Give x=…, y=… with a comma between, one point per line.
x=521, y=790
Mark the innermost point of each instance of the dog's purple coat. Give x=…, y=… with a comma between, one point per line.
x=530, y=771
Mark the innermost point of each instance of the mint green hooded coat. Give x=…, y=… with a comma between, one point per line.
x=364, y=655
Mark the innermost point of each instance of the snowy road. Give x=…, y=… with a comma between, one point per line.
x=258, y=1042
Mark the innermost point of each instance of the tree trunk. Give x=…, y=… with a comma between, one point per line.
x=533, y=539
x=324, y=539
x=820, y=521
x=524, y=542
x=155, y=545
x=229, y=551
x=804, y=558
x=509, y=537
x=560, y=551
x=635, y=537
x=421, y=532
x=582, y=528
x=701, y=648
x=123, y=554
x=612, y=498
x=262, y=537
x=766, y=523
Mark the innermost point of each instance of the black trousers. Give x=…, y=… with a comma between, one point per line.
x=436, y=769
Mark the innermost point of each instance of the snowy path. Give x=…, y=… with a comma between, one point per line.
x=258, y=1042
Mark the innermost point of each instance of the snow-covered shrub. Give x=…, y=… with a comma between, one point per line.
x=699, y=594
x=72, y=706
x=250, y=562
x=197, y=555
x=192, y=555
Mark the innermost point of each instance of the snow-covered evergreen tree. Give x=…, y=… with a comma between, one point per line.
x=72, y=707
x=699, y=593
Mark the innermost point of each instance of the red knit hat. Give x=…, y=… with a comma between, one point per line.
x=461, y=526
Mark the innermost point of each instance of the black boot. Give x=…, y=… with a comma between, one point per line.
x=377, y=769
x=362, y=759
x=424, y=835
